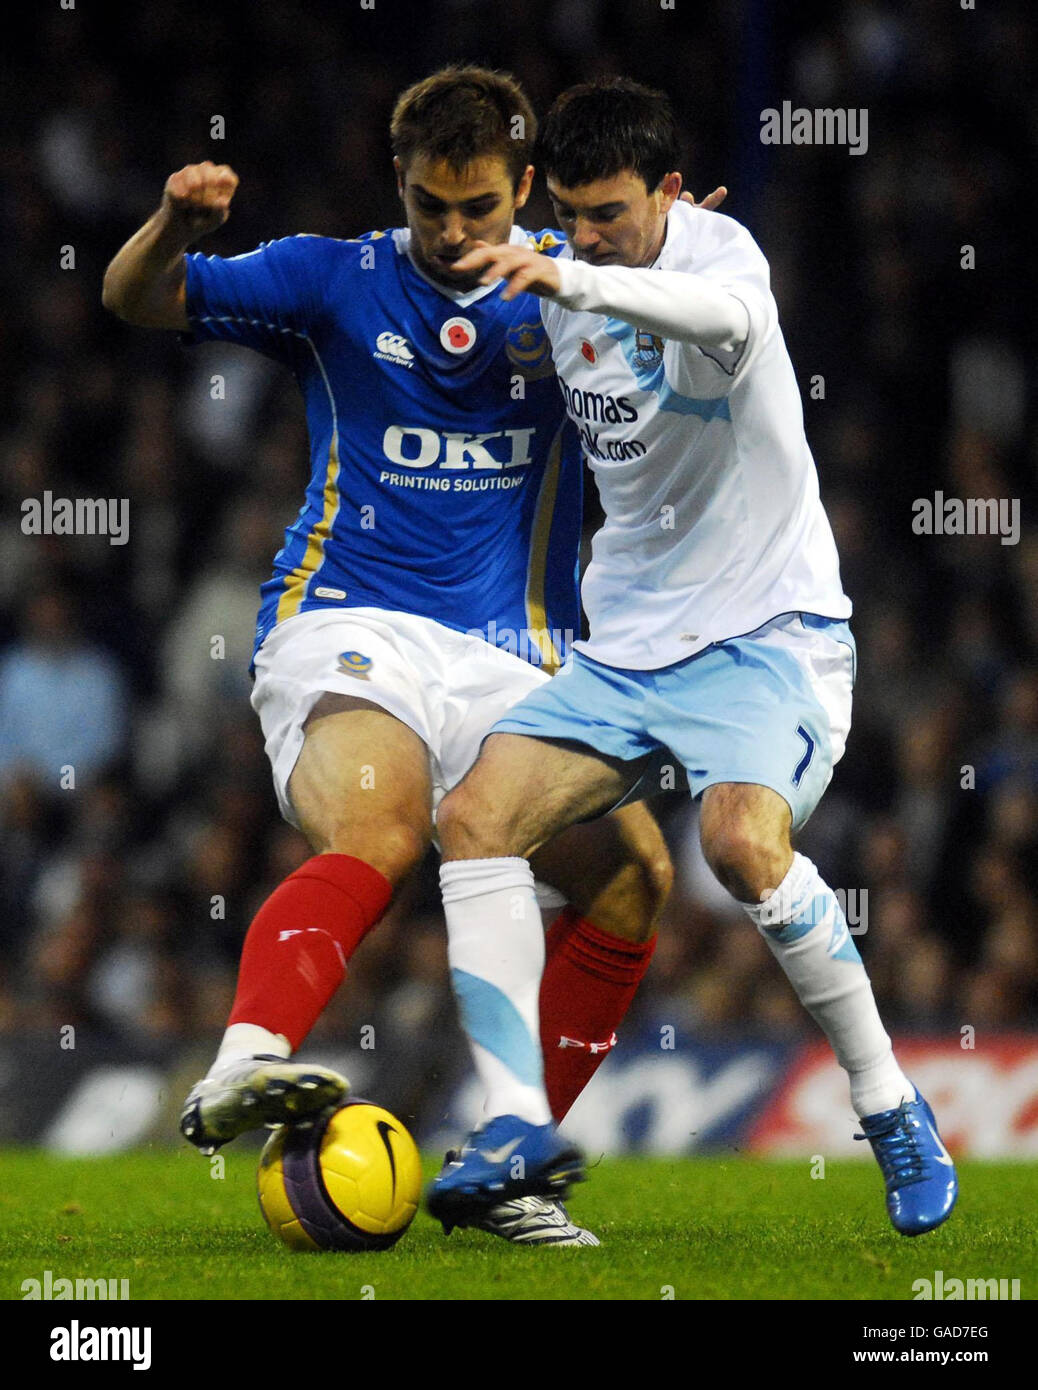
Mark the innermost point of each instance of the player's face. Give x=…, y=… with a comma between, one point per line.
x=615, y=221
x=449, y=210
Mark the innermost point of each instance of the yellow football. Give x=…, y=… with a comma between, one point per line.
x=351, y=1179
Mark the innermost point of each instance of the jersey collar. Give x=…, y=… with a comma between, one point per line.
x=678, y=227
x=402, y=242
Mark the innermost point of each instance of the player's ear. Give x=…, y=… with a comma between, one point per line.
x=670, y=187
x=399, y=170
x=524, y=185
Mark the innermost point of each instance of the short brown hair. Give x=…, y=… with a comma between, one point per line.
x=464, y=113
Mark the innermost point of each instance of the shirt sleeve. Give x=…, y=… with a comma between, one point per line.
x=675, y=305
x=731, y=260
x=267, y=299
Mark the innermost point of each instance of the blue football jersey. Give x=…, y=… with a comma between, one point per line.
x=445, y=479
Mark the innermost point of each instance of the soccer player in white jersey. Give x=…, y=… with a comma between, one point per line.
x=428, y=583
x=718, y=632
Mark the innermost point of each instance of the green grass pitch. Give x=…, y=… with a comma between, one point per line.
x=703, y=1228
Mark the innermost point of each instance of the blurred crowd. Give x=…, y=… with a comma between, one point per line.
x=138, y=826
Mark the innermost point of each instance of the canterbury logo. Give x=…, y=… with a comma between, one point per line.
x=393, y=348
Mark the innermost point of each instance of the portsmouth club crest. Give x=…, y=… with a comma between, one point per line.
x=529, y=351
x=648, y=351
x=354, y=663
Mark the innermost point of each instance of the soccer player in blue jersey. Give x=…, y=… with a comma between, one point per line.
x=718, y=633
x=428, y=583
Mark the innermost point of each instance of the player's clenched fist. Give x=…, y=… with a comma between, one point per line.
x=198, y=197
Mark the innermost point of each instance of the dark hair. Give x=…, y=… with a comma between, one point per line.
x=464, y=113
x=599, y=129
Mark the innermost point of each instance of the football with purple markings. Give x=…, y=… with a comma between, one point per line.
x=350, y=1180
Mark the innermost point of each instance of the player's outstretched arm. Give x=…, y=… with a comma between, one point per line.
x=522, y=268
x=672, y=304
x=144, y=284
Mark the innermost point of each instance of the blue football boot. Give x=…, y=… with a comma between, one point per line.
x=917, y=1168
x=507, y=1158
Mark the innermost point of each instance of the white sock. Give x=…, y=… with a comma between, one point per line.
x=495, y=947
x=248, y=1040
x=807, y=932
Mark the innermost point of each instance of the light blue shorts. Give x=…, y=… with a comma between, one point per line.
x=772, y=708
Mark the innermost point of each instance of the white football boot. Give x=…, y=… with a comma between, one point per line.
x=529, y=1220
x=535, y=1221
x=252, y=1092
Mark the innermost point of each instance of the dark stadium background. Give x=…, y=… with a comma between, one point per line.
x=106, y=889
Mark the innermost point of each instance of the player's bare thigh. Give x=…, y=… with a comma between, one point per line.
x=523, y=791
x=361, y=786
x=744, y=829
x=616, y=871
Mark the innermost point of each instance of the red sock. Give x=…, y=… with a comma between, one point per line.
x=590, y=978
x=296, y=949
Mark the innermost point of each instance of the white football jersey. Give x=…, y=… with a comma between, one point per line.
x=713, y=519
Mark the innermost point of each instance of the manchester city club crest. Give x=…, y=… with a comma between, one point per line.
x=648, y=351
x=354, y=663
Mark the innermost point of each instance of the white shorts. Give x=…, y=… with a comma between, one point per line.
x=448, y=687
